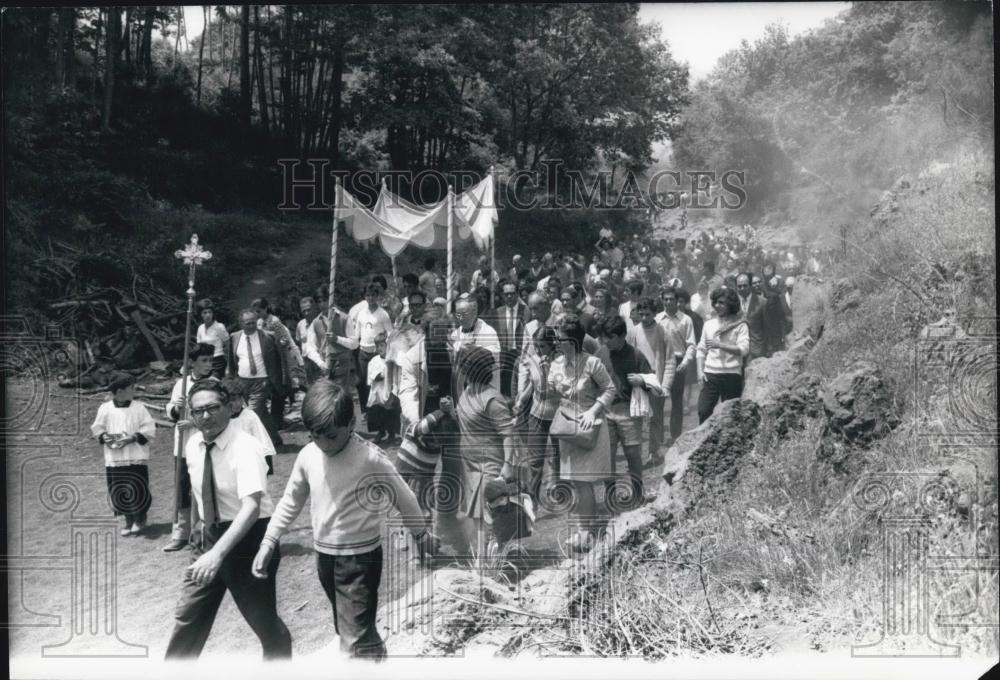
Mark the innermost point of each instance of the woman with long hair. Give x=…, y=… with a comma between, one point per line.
x=585, y=392
x=725, y=342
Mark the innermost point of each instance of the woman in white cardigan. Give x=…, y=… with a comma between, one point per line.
x=724, y=345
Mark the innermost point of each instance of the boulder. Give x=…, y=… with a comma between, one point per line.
x=768, y=377
x=859, y=405
x=703, y=462
x=844, y=295
x=810, y=297
x=796, y=404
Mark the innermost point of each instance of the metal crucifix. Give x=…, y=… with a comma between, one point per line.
x=193, y=256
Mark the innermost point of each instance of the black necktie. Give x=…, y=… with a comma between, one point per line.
x=211, y=506
x=253, y=365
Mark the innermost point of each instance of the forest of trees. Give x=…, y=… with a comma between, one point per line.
x=418, y=87
x=825, y=122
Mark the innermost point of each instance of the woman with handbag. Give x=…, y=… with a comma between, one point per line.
x=586, y=391
x=486, y=428
x=724, y=344
x=532, y=382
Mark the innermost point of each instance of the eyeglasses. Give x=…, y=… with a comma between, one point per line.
x=210, y=410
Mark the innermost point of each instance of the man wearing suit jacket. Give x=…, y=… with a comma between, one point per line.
x=509, y=320
x=752, y=308
x=255, y=359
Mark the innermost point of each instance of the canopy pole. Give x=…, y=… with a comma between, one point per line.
x=451, y=208
x=493, y=263
x=493, y=268
x=330, y=339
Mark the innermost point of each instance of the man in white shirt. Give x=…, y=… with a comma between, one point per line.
x=229, y=484
x=508, y=320
x=215, y=334
x=634, y=293
x=679, y=330
x=255, y=359
x=309, y=341
x=650, y=339
x=484, y=277
x=541, y=314
x=369, y=321
x=473, y=331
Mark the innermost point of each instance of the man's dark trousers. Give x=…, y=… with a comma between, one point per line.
x=255, y=598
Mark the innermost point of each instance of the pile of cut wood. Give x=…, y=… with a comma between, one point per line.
x=108, y=326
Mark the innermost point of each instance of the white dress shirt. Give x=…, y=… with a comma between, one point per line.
x=238, y=467
x=242, y=358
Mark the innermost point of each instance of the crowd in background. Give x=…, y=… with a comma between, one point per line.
x=532, y=391
x=651, y=329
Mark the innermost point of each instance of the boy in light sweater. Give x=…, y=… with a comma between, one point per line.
x=339, y=470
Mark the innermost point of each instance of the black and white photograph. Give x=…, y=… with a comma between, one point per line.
x=468, y=340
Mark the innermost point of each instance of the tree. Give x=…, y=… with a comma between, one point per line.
x=201, y=48
x=259, y=71
x=110, y=63
x=245, y=104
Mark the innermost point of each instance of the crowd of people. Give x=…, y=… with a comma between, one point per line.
x=513, y=399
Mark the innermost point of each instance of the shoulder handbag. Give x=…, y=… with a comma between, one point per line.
x=567, y=428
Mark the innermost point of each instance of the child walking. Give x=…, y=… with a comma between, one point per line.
x=383, y=405
x=124, y=428
x=248, y=421
x=337, y=471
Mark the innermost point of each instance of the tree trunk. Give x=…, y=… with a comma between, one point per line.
x=245, y=103
x=232, y=56
x=146, y=49
x=286, y=76
x=126, y=46
x=177, y=38
x=337, y=85
x=222, y=43
x=259, y=63
x=275, y=112
x=69, y=47
x=97, y=54
x=59, y=60
x=110, y=51
x=207, y=34
x=201, y=50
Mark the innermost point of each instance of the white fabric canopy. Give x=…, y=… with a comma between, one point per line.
x=398, y=223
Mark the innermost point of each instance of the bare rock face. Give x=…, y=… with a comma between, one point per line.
x=859, y=406
x=703, y=462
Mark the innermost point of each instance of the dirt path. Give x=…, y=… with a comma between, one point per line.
x=56, y=481
x=308, y=238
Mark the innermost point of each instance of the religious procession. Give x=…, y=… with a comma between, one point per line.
x=481, y=406
x=337, y=334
